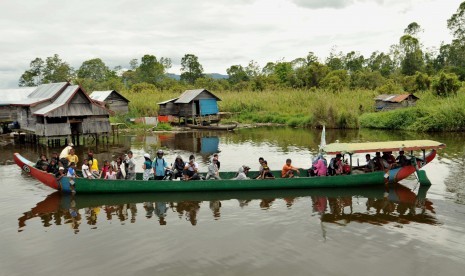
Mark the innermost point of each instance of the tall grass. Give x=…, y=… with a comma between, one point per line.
x=431, y=113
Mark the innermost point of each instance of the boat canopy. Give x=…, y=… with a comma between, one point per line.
x=406, y=145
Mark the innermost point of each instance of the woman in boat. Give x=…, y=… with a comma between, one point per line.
x=111, y=174
x=320, y=168
x=147, y=166
x=178, y=167
x=213, y=171
x=335, y=165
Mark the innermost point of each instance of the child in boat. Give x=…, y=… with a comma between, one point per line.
x=111, y=174
x=104, y=170
x=72, y=157
x=335, y=165
x=289, y=170
x=266, y=174
x=85, y=170
x=213, y=171
x=72, y=170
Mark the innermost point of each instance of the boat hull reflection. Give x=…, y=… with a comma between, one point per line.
x=399, y=204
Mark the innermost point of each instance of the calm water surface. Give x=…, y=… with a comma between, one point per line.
x=410, y=230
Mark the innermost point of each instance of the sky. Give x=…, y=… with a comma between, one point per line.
x=220, y=33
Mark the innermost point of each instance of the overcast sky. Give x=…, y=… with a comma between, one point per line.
x=220, y=33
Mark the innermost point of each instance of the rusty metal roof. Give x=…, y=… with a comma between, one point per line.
x=189, y=95
x=394, y=98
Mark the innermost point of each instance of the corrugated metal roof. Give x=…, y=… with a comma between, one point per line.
x=394, y=98
x=47, y=91
x=64, y=97
x=382, y=146
x=165, y=102
x=190, y=95
x=9, y=96
x=100, y=95
x=103, y=95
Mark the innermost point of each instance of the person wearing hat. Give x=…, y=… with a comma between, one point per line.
x=242, y=173
x=61, y=173
x=147, y=166
x=159, y=165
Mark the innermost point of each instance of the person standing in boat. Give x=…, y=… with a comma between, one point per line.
x=160, y=165
x=131, y=166
x=72, y=157
x=289, y=170
x=147, y=166
x=213, y=171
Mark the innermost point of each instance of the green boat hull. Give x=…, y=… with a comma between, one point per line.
x=83, y=185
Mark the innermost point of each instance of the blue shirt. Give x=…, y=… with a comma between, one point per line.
x=159, y=165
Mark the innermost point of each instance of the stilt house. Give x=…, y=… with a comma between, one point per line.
x=8, y=112
x=197, y=105
x=61, y=110
x=112, y=100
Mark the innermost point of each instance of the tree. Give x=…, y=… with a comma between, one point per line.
x=412, y=58
x=191, y=68
x=353, y=62
x=456, y=23
x=455, y=55
x=52, y=70
x=94, y=69
x=150, y=70
x=381, y=62
x=445, y=84
x=236, y=74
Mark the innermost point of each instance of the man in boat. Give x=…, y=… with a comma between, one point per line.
x=260, y=168
x=288, y=170
x=370, y=166
x=130, y=166
x=191, y=169
x=335, y=165
x=42, y=163
x=402, y=160
x=159, y=165
x=380, y=163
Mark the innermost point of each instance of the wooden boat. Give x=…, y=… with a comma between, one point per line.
x=213, y=127
x=83, y=185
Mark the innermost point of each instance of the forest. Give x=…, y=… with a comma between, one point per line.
x=306, y=91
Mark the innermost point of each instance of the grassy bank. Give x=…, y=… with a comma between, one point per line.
x=431, y=113
x=312, y=108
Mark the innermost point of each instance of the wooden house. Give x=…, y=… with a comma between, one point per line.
x=385, y=102
x=8, y=112
x=112, y=100
x=196, y=105
x=61, y=110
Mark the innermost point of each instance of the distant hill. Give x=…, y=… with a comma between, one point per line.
x=215, y=76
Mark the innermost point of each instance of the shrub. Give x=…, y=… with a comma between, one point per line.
x=445, y=84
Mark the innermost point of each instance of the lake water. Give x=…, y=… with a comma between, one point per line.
x=410, y=230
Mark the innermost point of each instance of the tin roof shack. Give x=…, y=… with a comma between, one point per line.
x=198, y=105
x=8, y=112
x=61, y=109
x=112, y=100
x=385, y=102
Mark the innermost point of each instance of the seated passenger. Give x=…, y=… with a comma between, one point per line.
x=320, y=168
x=72, y=170
x=42, y=163
x=266, y=173
x=370, y=166
x=288, y=170
x=52, y=167
x=191, y=169
x=390, y=159
x=147, y=167
x=104, y=170
x=72, y=157
x=61, y=173
x=402, y=160
x=242, y=173
x=85, y=170
x=178, y=167
x=380, y=163
x=260, y=168
x=213, y=171
x=335, y=165
x=111, y=174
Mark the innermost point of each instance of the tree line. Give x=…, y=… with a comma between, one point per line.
x=407, y=66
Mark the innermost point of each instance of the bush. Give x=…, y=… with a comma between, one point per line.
x=445, y=84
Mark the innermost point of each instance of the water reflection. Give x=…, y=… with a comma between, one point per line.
x=338, y=206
